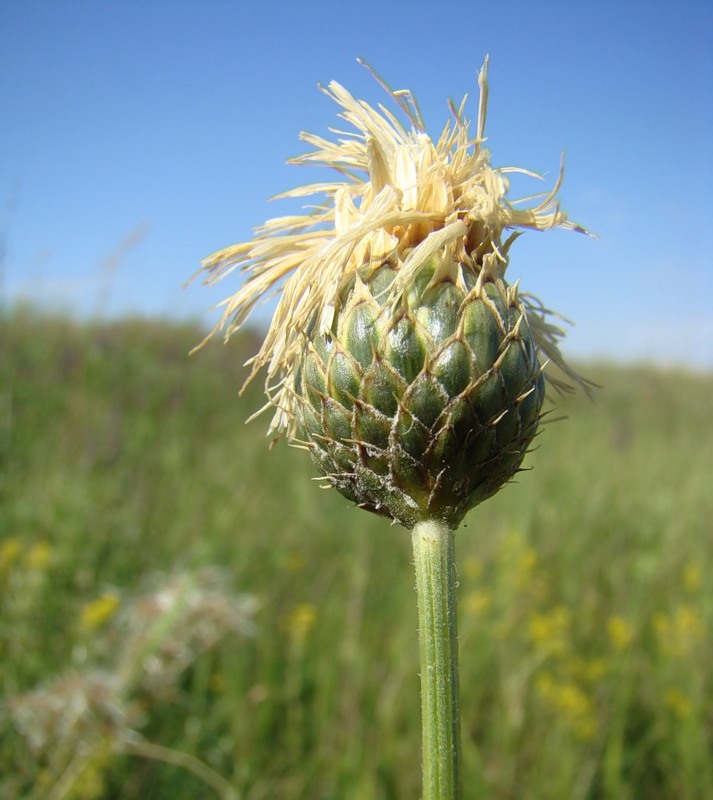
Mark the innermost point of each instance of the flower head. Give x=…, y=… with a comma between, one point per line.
x=400, y=198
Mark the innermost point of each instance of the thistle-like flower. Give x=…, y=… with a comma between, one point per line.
x=398, y=353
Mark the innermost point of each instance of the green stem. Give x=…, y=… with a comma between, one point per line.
x=434, y=557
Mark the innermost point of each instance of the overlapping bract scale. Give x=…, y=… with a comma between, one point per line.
x=423, y=411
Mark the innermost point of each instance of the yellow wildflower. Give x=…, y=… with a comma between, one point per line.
x=692, y=577
x=594, y=670
x=548, y=631
x=473, y=567
x=98, y=612
x=570, y=702
x=525, y=565
x=296, y=562
x=300, y=621
x=679, y=633
x=38, y=556
x=477, y=603
x=620, y=632
x=9, y=553
x=589, y=671
x=520, y=562
x=678, y=703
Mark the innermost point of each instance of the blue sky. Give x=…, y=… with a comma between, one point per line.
x=138, y=137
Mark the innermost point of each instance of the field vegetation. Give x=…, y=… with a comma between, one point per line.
x=185, y=614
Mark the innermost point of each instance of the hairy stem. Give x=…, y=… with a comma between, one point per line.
x=434, y=557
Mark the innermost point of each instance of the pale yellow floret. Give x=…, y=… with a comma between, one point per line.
x=399, y=198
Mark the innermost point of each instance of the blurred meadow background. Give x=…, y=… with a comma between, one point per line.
x=184, y=613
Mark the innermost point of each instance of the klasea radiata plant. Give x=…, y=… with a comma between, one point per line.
x=399, y=355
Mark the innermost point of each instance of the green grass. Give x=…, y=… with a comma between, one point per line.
x=126, y=471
